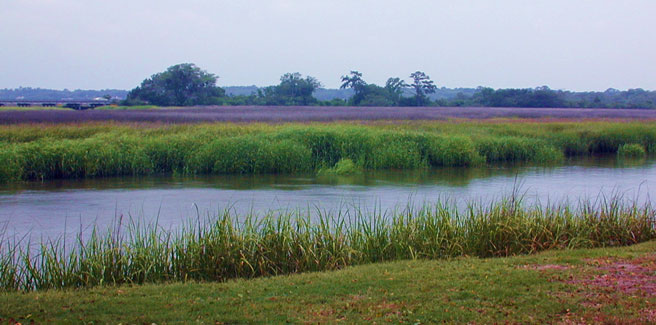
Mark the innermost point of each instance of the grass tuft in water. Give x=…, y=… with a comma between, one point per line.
x=631, y=150
x=342, y=167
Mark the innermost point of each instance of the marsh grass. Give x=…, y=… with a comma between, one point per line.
x=631, y=150
x=228, y=246
x=342, y=167
x=38, y=152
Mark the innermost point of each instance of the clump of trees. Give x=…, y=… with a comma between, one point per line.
x=393, y=94
x=538, y=97
x=367, y=94
x=292, y=90
x=180, y=85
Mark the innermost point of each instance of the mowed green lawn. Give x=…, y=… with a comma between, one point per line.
x=597, y=285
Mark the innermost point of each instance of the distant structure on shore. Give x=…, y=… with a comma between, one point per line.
x=72, y=104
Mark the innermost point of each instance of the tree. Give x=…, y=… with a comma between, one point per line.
x=297, y=88
x=180, y=85
x=395, y=87
x=371, y=94
x=292, y=90
x=422, y=86
x=355, y=82
x=360, y=87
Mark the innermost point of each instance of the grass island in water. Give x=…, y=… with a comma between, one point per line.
x=41, y=151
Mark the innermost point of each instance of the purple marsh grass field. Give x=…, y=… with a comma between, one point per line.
x=312, y=113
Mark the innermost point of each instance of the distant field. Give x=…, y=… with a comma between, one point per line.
x=304, y=114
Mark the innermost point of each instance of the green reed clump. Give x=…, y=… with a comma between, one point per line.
x=611, y=139
x=453, y=151
x=514, y=149
x=323, y=143
x=229, y=246
x=167, y=153
x=395, y=153
x=38, y=152
x=95, y=156
x=343, y=167
x=249, y=155
x=631, y=150
x=10, y=168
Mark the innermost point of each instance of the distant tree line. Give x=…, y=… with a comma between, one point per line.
x=188, y=85
x=545, y=97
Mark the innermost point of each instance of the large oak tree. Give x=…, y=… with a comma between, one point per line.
x=180, y=85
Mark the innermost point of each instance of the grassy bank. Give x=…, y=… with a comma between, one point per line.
x=551, y=287
x=36, y=152
x=227, y=246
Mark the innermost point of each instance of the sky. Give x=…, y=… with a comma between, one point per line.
x=564, y=44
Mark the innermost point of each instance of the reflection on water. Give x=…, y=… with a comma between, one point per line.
x=52, y=207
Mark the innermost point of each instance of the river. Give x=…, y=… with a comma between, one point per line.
x=51, y=209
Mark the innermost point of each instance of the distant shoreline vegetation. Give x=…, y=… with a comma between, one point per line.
x=187, y=85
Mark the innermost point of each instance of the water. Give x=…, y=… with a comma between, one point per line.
x=65, y=207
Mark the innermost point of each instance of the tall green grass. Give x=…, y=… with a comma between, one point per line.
x=631, y=150
x=228, y=246
x=37, y=152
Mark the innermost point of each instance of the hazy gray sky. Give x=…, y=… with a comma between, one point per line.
x=565, y=44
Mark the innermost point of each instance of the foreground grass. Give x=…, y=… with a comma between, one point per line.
x=229, y=246
x=38, y=152
x=538, y=288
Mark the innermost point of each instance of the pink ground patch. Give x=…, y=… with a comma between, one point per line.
x=636, y=276
x=627, y=284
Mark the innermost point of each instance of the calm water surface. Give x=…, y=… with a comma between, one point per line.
x=54, y=208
